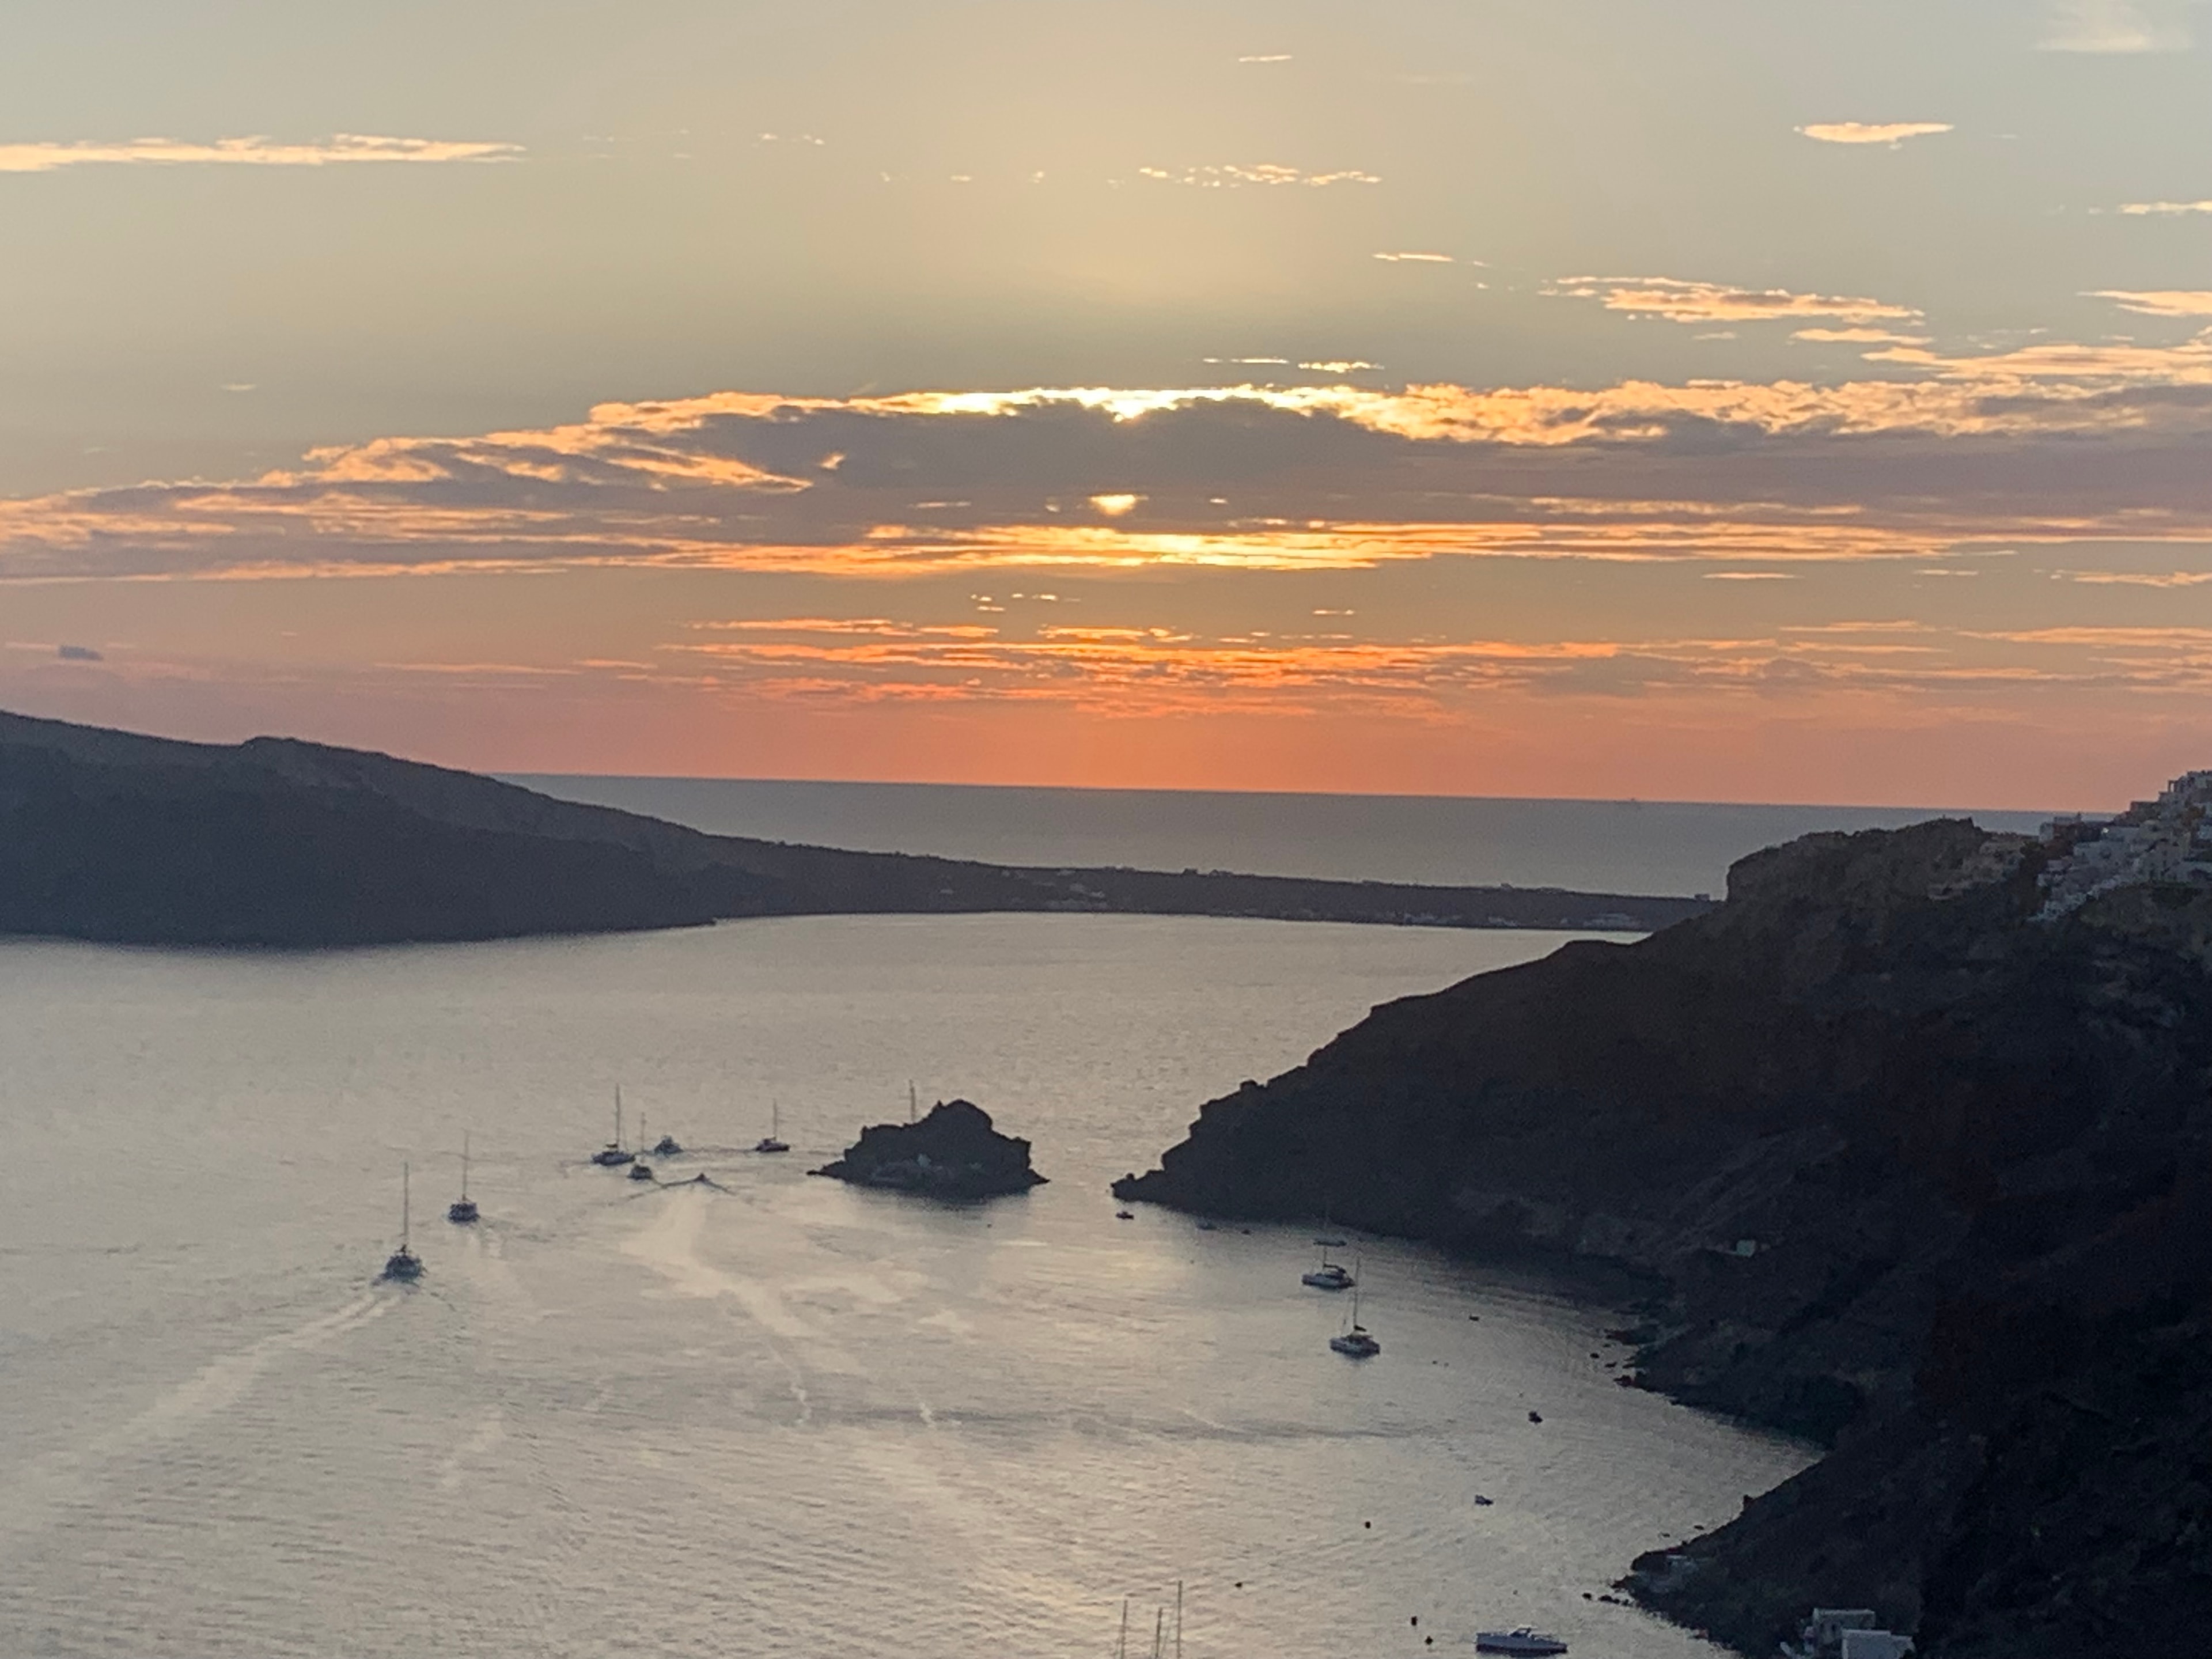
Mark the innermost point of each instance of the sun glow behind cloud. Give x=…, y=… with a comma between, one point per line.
x=1892, y=133
x=345, y=148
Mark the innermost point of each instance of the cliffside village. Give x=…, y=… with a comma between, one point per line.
x=2168, y=839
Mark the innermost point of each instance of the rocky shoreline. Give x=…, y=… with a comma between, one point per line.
x=1919, y=1167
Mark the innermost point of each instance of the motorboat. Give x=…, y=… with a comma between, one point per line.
x=641, y=1171
x=1519, y=1639
x=771, y=1142
x=612, y=1155
x=667, y=1147
x=403, y=1265
x=1330, y=1276
x=463, y=1210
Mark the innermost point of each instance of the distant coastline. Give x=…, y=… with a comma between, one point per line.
x=117, y=837
x=1679, y=847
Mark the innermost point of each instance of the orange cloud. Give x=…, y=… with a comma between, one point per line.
x=1892, y=133
x=1683, y=301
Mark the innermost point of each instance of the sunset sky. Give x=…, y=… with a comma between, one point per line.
x=1714, y=399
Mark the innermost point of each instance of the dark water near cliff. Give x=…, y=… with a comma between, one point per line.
x=785, y=1417
x=1612, y=846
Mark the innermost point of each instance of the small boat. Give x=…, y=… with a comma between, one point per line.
x=403, y=1265
x=771, y=1142
x=667, y=1147
x=1519, y=1639
x=1355, y=1341
x=611, y=1156
x=463, y=1210
x=1125, y=1215
x=642, y=1170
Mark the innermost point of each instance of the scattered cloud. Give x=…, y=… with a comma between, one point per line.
x=1421, y=259
x=77, y=653
x=1341, y=365
x=2170, y=209
x=236, y=386
x=1682, y=301
x=792, y=138
x=1857, y=336
x=344, y=148
x=2158, y=303
x=1233, y=176
x=1266, y=57
x=1892, y=133
x=2115, y=25
x=1117, y=504
x=2136, y=579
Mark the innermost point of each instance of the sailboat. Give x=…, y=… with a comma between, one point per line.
x=611, y=1156
x=402, y=1264
x=463, y=1208
x=1353, y=1341
x=639, y=1169
x=1330, y=1276
x=771, y=1142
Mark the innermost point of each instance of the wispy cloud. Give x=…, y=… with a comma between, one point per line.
x=1419, y=258
x=1266, y=57
x=1856, y=336
x=2136, y=578
x=1683, y=301
x=1230, y=175
x=2114, y=26
x=2167, y=209
x=2158, y=302
x=1892, y=133
x=345, y=148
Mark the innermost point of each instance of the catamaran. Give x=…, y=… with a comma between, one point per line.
x=1519, y=1639
x=1330, y=1276
x=463, y=1208
x=1354, y=1340
x=769, y=1142
x=402, y=1264
x=612, y=1155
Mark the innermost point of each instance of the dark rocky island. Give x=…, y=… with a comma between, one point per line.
x=134, y=840
x=952, y=1153
x=1911, y=1141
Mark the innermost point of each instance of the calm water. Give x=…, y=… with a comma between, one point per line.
x=781, y=1417
x=1600, y=845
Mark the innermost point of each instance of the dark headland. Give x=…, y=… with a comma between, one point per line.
x=953, y=1154
x=1913, y=1139
x=113, y=836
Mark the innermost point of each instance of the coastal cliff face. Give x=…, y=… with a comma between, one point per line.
x=1910, y=1171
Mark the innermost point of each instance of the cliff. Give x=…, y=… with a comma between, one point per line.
x=1913, y=1166
x=952, y=1153
x=113, y=836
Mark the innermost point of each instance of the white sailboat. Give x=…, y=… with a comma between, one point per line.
x=771, y=1142
x=639, y=1169
x=402, y=1264
x=612, y=1155
x=1355, y=1341
x=463, y=1210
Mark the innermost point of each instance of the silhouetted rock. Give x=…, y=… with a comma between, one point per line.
x=953, y=1154
x=1905, y=1168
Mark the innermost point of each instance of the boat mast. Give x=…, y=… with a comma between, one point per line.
x=403, y=1209
x=1159, y=1632
x=618, y=1117
x=913, y=1102
x=1121, y=1648
x=465, y=1165
x=1178, y=1619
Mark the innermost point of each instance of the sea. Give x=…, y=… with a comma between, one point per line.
x=738, y=1411
x=1671, y=848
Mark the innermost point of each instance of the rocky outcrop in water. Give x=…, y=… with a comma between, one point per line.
x=953, y=1152
x=1912, y=1164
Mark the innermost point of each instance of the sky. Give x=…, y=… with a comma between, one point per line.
x=1716, y=400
